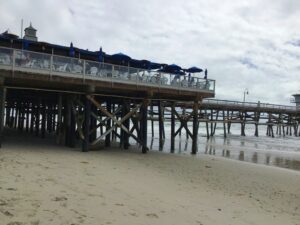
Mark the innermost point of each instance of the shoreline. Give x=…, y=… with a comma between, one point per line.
x=43, y=184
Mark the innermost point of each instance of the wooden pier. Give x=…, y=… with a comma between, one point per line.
x=40, y=96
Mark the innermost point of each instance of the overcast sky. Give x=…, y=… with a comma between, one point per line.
x=243, y=44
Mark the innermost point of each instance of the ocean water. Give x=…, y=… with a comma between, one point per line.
x=279, y=151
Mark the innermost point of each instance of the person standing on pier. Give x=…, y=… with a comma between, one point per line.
x=205, y=74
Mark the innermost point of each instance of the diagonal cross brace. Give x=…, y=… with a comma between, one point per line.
x=117, y=122
x=184, y=123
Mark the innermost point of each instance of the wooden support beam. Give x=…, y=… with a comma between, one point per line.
x=224, y=124
x=206, y=124
x=32, y=117
x=72, y=135
x=215, y=124
x=44, y=115
x=195, y=127
x=59, y=125
x=211, y=124
x=161, y=124
x=173, y=128
x=144, y=120
x=152, y=119
x=126, y=110
x=37, y=117
x=108, y=122
x=93, y=128
x=67, y=120
x=2, y=108
x=256, y=118
x=87, y=121
x=27, y=116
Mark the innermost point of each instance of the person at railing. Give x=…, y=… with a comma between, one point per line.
x=192, y=82
x=205, y=74
x=175, y=81
x=184, y=82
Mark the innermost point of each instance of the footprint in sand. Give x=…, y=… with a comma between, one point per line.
x=15, y=223
x=119, y=204
x=133, y=214
x=2, y=202
x=7, y=213
x=11, y=189
x=152, y=215
x=58, y=199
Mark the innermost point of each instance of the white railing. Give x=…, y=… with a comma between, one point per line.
x=23, y=60
x=248, y=105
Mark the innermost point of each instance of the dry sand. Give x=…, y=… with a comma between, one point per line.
x=47, y=184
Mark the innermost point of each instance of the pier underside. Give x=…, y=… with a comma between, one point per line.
x=92, y=113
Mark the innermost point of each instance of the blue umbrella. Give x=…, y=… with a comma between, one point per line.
x=141, y=64
x=154, y=66
x=120, y=57
x=71, y=50
x=144, y=64
x=174, y=69
x=194, y=70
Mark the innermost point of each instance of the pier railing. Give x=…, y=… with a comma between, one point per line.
x=28, y=61
x=248, y=105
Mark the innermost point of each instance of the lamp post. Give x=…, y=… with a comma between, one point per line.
x=245, y=92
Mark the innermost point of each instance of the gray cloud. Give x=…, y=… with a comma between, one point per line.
x=244, y=44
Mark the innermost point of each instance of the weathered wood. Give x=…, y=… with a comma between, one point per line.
x=27, y=116
x=44, y=115
x=37, y=117
x=108, y=122
x=126, y=110
x=195, y=128
x=224, y=124
x=144, y=114
x=173, y=128
x=152, y=119
x=72, y=135
x=161, y=124
x=87, y=121
x=2, y=108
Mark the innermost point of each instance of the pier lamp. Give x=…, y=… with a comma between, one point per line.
x=246, y=92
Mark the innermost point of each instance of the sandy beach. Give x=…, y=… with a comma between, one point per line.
x=41, y=183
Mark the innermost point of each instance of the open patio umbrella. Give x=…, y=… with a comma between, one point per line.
x=144, y=64
x=194, y=70
x=174, y=69
x=121, y=58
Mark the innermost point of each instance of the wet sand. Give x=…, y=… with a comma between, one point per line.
x=41, y=183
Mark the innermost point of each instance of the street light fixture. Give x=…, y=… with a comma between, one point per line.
x=245, y=92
